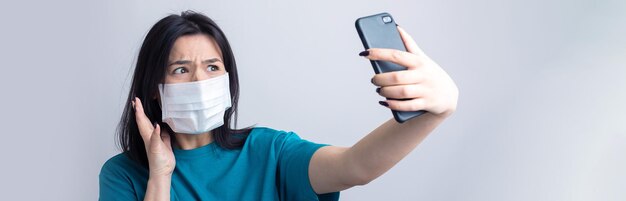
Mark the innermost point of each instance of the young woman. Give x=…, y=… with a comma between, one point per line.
x=177, y=143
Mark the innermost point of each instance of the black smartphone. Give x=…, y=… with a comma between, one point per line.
x=379, y=31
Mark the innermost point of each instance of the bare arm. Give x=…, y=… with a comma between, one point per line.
x=158, y=188
x=160, y=155
x=369, y=158
x=426, y=86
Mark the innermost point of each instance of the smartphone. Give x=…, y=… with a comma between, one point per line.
x=379, y=31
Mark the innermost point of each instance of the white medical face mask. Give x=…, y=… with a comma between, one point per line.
x=195, y=107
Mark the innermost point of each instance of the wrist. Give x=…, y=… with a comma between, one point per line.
x=447, y=113
x=159, y=183
x=430, y=118
x=159, y=187
x=160, y=178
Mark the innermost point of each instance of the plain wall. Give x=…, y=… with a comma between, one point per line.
x=540, y=116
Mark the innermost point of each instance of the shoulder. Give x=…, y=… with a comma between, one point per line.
x=270, y=136
x=122, y=179
x=267, y=132
x=117, y=165
x=279, y=140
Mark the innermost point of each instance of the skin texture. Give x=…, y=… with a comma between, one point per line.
x=335, y=168
x=332, y=168
x=192, y=58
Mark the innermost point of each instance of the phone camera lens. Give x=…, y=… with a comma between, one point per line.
x=386, y=19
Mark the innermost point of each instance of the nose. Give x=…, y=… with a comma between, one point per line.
x=199, y=75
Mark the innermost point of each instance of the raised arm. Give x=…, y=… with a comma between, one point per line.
x=160, y=155
x=427, y=86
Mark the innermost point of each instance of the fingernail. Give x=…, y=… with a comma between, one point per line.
x=383, y=103
x=372, y=80
x=364, y=53
x=377, y=90
x=397, y=25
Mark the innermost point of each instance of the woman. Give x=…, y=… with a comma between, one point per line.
x=178, y=144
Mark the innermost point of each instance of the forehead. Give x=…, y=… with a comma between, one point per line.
x=199, y=46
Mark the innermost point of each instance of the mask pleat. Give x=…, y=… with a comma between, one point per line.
x=195, y=107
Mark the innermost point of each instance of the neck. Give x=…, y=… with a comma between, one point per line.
x=192, y=141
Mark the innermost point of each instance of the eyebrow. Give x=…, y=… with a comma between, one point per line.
x=208, y=61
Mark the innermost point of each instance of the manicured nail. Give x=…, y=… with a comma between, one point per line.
x=372, y=80
x=377, y=90
x=383, y=103
x=364, y=53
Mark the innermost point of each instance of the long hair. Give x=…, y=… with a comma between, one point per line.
x=150, y=71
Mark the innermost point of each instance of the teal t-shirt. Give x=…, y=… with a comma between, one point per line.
x=271, y=165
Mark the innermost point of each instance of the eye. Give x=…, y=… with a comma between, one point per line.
x=180, y=70
x=212, y=68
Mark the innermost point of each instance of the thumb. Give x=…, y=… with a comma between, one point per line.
x=409, y=43
x=167, y=139
x=155, y=138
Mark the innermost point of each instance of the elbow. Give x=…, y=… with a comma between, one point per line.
x=361, y=179
x=362, y=182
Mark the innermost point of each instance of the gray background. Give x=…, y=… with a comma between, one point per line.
x=540, y=113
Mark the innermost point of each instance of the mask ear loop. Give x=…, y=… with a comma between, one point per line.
x=164, y=125
x=160, y=100
x=227, y=84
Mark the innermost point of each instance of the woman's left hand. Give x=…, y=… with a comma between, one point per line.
x=426, y=84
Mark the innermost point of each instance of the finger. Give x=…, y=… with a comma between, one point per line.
x=155, y=138
x=406, y=59
x=166, y=139
x=406, y=105
x=402, y=91
x=143, y=122
x=409, y=43
x=397, y=78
